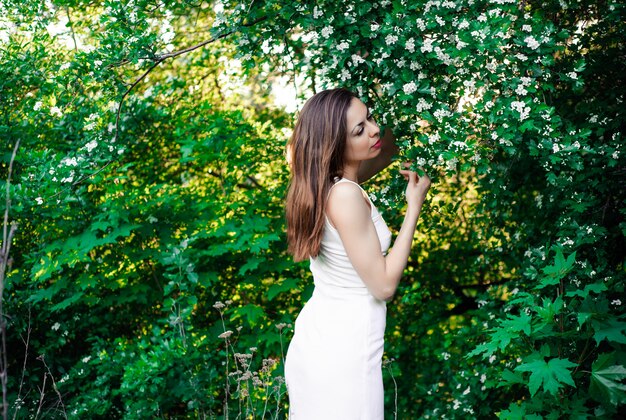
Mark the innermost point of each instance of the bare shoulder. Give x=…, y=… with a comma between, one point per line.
x=346, y=205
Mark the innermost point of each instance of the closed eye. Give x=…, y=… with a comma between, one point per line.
x=369, y=117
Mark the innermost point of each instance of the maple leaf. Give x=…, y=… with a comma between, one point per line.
x=549, y=375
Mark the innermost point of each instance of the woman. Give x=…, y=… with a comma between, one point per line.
x=333, y=364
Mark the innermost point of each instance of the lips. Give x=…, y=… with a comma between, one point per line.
x=378, y=144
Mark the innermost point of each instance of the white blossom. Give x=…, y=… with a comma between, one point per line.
x=91, y=145
x=531, y=42
x=527, y=28
x=55, y=111
x=327, y=31
x=391, y=39
x=421, y=25
x=317, y=13
x=409, y=88
x=410, y=45
x=343, y=46
x=39, y=200
x=374, y=27
x=37, y=106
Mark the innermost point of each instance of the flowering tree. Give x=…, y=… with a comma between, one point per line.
x=149, y=182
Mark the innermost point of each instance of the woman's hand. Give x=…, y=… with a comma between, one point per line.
x=417, y=187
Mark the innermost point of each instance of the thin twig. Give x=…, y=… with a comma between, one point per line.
x=7, y=238
x=26, y=345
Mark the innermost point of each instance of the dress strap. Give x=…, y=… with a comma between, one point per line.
x=338, y=180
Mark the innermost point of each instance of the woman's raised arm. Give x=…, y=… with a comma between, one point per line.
x=351, y=216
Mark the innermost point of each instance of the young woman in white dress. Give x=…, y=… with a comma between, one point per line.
x=333, y=364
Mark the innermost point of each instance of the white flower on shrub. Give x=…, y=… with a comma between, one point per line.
x=391, y=39
x=343, y=46
x=327, y=31
x=317, y=13
x=521, y=107
x=428, y=45
x=421, y=25
x=91, y=145
x=409, y=88
x=531, y=42
x=357, y=59
x=374, y=27
x=37, y=106
x=572, y=75
x=410, y=45
x=527, y=28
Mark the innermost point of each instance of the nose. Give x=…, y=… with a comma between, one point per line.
x=374, y=130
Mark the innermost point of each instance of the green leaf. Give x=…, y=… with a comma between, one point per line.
x=557, y=271
x=611, y=329
x=251, y=313
x=605, y=383
x=285, y=285
x=594, y=287
x=550, y=375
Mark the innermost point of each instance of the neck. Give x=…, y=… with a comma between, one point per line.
x=351, y=172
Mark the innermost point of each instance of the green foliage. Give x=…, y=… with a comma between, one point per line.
x=150, y=180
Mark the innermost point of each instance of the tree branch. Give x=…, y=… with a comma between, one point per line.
x=157, y=60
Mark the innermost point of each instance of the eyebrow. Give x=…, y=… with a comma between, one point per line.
x=362, y=122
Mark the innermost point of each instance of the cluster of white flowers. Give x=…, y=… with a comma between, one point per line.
x=357, y=59
x=374, y=27
x=428, y=45
x=521, y=88
x=527, y=28
x=433, y=138
x=317, y=13
x=343, y=46
x=39, y=200
x=55, y=111
x=521, y=107
x=391, y=39
x=69, y=161
x=421, y=25
x=464, y=24
x=531, y=42
x=409, y=88
x=616, y=302
x=440, y=114
x=345, y=75
x=37, y=106
x=572, y=75
x=444, y=57
x=327, y=31
x=91, y=145
x=410, y=45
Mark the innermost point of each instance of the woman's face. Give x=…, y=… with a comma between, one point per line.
x=363, y=138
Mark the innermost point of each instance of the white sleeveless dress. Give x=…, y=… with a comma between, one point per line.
x=333, y=364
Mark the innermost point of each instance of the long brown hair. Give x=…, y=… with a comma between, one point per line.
x=316, y=152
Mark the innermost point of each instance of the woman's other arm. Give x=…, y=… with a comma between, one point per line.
x=371, y=167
